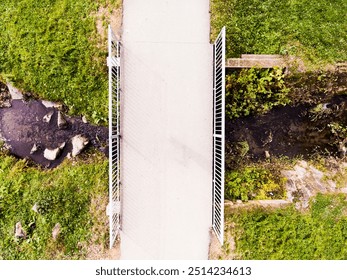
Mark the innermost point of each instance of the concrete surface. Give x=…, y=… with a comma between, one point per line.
x=166, y=129
x=258, y=60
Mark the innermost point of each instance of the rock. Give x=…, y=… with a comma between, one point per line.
x=62, y=145
x=20, y=233
x=78, y=144
x=15, y=93
x=62, y=123
x=50, y=104
x=56, y=231
x=34, y=149
x=5, y=104
x=267, y=154
x=268, y=138
x=5, y=97
x=52, y=154
x=304, y=182
x=342, y=149
x=48, y=116
x=84, y=119
x=35, y=208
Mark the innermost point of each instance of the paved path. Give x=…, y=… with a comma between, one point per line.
x=166, y=129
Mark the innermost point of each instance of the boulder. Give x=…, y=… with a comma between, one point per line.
x=19, y=233
x=78, y=144
x=52, y=154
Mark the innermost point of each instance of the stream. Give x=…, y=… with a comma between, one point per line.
x=303, y=130
x=28, y=123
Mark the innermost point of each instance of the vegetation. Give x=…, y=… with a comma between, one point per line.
x=313, y=30
x=255, y=91
x=287, y=234
x=253, y=182
x=71, y=195
x=53, y=49
x=49, y=47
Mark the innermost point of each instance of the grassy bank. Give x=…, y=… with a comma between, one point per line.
x=313, y=30
x=73, y=195
x=49, y=47
x=286, y=234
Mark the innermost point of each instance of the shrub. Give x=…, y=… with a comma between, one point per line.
x=254, y=91
x=252, y=182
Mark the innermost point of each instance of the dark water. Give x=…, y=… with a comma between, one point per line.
x=22, y=125
x=303, y=130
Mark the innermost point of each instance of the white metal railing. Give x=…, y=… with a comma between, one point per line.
x=218, y=135
x=113, y=63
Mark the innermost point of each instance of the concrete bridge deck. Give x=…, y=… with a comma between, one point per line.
x=166, y=129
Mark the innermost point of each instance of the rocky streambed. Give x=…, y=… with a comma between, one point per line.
x=39, y=130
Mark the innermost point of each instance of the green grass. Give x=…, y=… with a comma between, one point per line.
x=49, y=47
x=313, y=30
x=67, y=195
x=288, y=234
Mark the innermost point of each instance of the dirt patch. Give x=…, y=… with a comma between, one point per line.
x=96, y=249
x=108, y=14
x=98, y=252
x=225, y=252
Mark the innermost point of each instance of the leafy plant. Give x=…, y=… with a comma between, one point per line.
x=255, y=91
x=253, y=183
